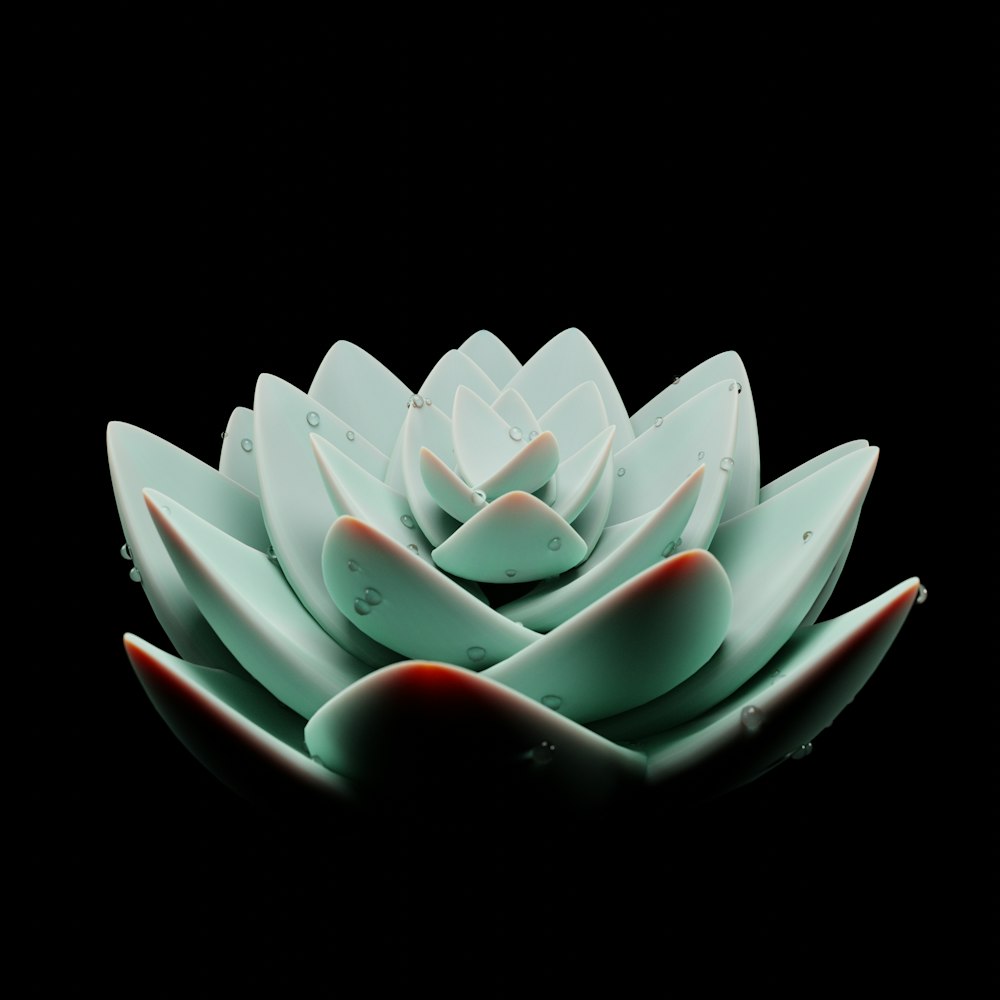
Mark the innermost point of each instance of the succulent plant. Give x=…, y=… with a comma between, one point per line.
x=499, y=580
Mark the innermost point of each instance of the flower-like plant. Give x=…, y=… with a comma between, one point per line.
x=500, y=578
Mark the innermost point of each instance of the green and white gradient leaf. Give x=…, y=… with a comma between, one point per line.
x=246, y=738
x=360, y=390
x=624, y=550
x=778, y=557
x=495, y=456
x=799, y=473
x=492, y=356
x=558, y=367
x=236, y=460
x=428, y=428
x=640, y=640
x=358, y=493
x=398, y=600
x=510, y=405
x=415, y=719
x=576, y=418
x=515, y=537
x=139, y=459
x=456, y=370
x=700, y=432
x=745, y=486
x=809, y=682
x=578, y=477
x=251, y=607
x=297, y=509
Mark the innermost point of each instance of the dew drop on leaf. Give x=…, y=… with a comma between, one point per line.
x=476, y=653
x=246, y=444
x=134, y=575
x=752, y=718
x=552, y=701
x=312, y=418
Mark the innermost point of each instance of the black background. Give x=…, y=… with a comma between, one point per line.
x=221, y=194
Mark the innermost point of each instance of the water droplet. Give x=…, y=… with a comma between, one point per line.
x=677, y=379
x=246, y=444
x=478, y=498
x=511, y=572
x=806, y=535
x=701, y=455
x=552, y=701
x=224, y=435
x=803, y=751
x=621, y=472
x=165, y=509
x=353, y=566
x=726, y=464
x=735, y=385
x=669, y=548
x=476, y=653
x=752, y=718
x=921, y=594
x=125, y=552
x=350, y=435
x=658, y=422
x=372, y=596
x=412, y=547
x=515, y=433
x=407, y=521
x=543, y=753
x=555, y=544
x=312, y=418
x=271, y=554
x=416, y=401
x=427, y=400
x=362, y=607
x=134, y=575
x=532, y=435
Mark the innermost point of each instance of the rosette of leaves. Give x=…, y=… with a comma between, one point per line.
x=500, y=579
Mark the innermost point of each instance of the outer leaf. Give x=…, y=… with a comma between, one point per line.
x=243, y=736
